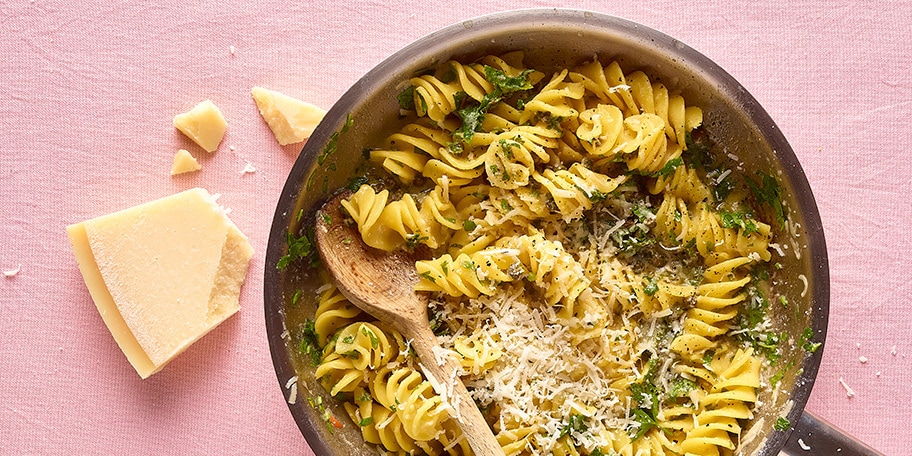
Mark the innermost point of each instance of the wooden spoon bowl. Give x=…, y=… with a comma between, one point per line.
x=382, y=284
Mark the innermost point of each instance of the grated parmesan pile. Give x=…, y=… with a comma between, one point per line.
x=541, y=376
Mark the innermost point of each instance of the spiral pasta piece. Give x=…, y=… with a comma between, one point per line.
x=553, y=100
x=466, y=275
x=476, y=354
x=575, y=189
x=727, y=403
x=703, y=227
x=549, y=266
x=716, y=306
x=356, y=349
x=435, y=95
x=405, y=391
x=683, y=183
x=334, y=311
x=388, y=226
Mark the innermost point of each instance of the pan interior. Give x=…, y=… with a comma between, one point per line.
x=551, y=39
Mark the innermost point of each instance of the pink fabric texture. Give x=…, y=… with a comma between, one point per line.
x=88, y=93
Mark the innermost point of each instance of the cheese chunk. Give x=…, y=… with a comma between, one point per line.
x=204, y=124
x=291, y=120
x=162, y=274
x=184, y=163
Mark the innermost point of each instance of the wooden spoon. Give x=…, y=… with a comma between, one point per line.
x=382, y=284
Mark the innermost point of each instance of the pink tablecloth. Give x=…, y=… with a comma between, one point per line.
x=86, y=100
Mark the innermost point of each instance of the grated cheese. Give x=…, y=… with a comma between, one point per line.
x=539, y=368
x=15, y=271
x=292, y=386
x=849, y=391
x=803, y=280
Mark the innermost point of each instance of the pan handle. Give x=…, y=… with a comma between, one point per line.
x=812, y=436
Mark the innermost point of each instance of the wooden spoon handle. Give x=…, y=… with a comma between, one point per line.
x=441, y=372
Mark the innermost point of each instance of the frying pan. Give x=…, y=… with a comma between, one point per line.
x=557, y=38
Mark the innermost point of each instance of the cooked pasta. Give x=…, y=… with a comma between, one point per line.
x=594, y=280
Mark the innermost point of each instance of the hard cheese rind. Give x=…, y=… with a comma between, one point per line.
x=162, y=274
x=291, y=120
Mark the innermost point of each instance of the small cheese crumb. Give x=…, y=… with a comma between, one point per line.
x=12, y=272
x=184, y=163
x=877, y=374
x=893, y=351
x=863, y=359
x=803, y=445
x=291, y=120
x=857, y=345
x=231, y=49
x=248, y=168
x=204, y=124
x=292, y=386
x=849, y=391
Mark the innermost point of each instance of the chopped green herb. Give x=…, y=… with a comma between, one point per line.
x=310, y=343
x=806, y=343
x=646, y=394
x=681, y=387
x=366, y=421
x=406, y=98
x=298, y=247
x=769, y=192
x=596, y=196
x=776, y=378
x=412, y=240
x=326, y=218
x=469, y=225
x=333, y=142
x=696, y=153
x=295, y=298
x=576, y=423
x=670, y=167
x=427, y=275
x=739, y=220
x=364, y=397
x=782, y=423
x=375, y=342
x=635, y=235
x=708, y=357
x=646, y=422
x=356, y=183
x=651, y=287
x=473, y=115
x=507, y=84
x=455, y=148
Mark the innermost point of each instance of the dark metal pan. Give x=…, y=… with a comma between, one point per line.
x=552, y=38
